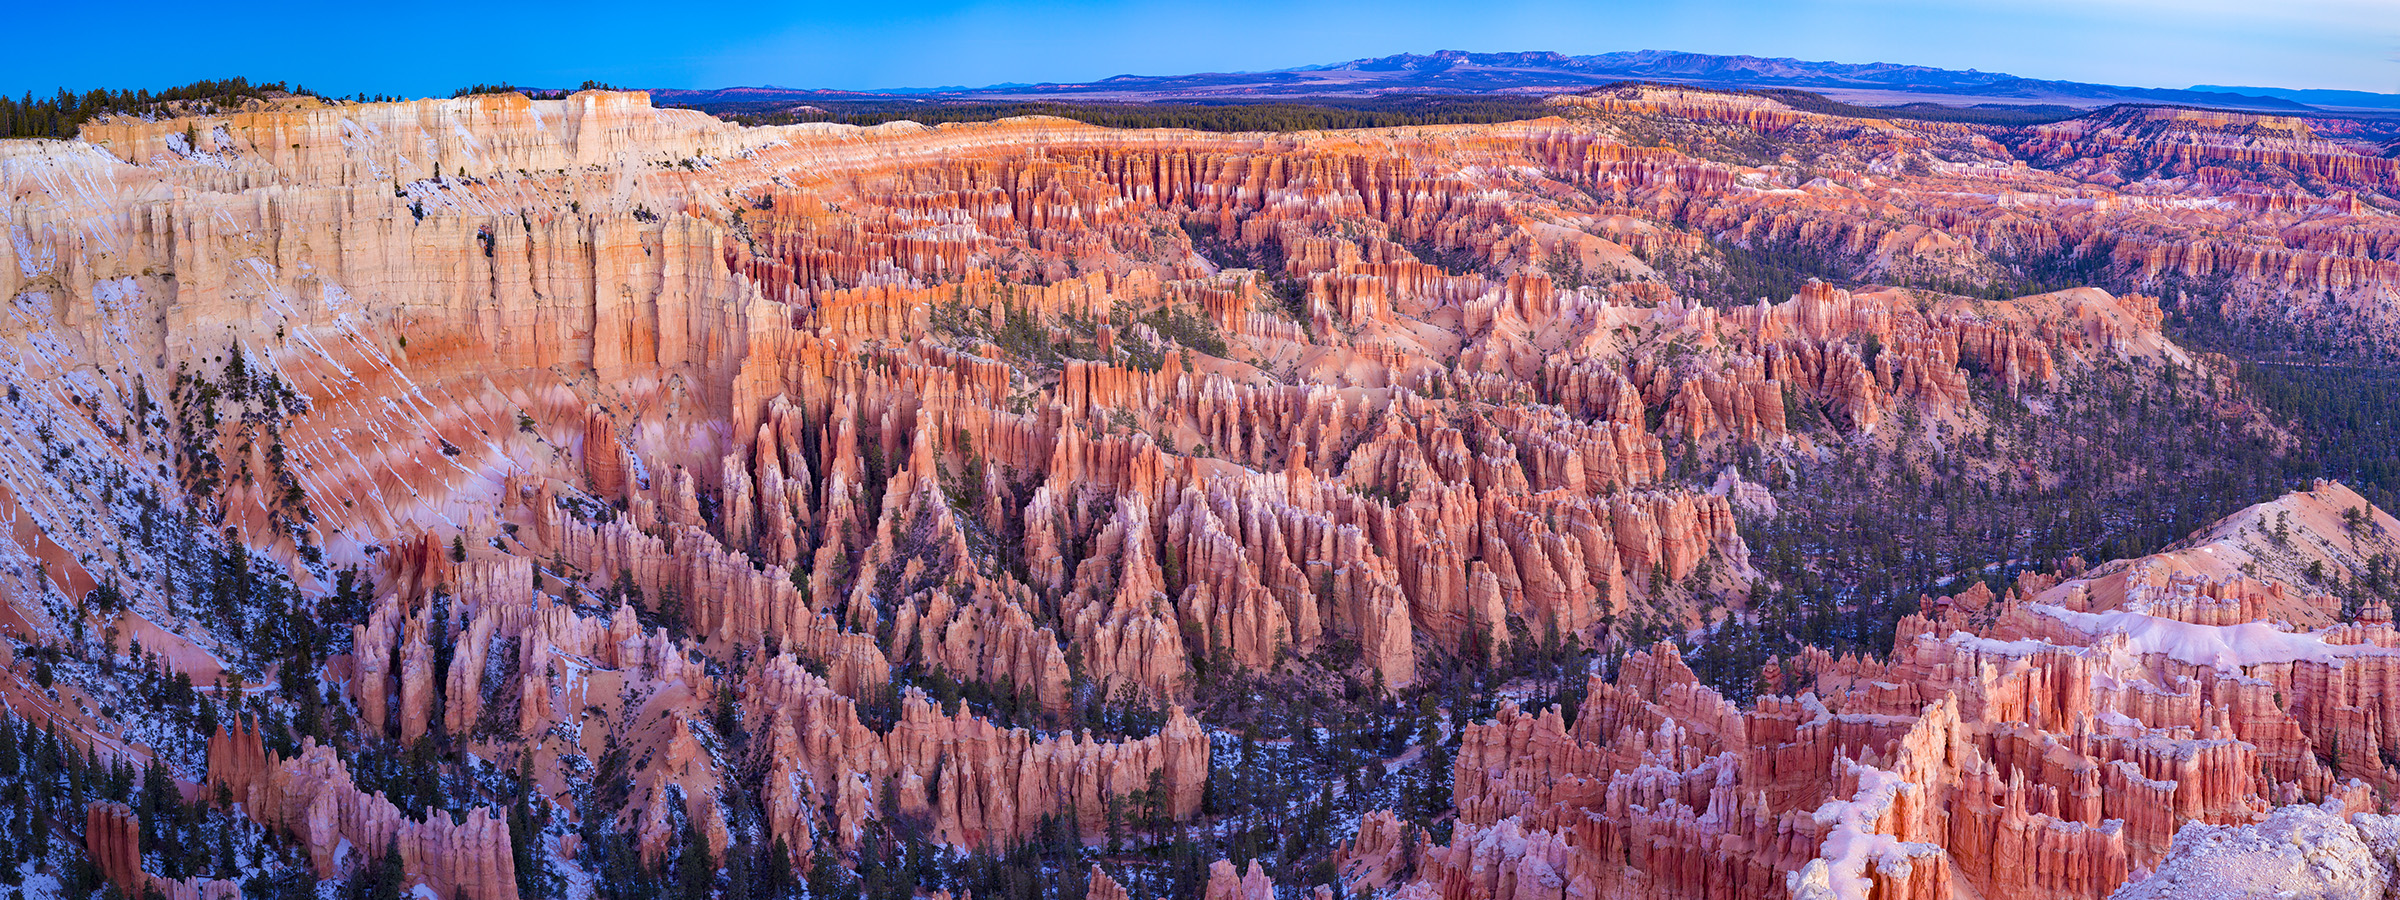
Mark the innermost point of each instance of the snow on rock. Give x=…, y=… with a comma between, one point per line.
x=2224, y=647
x=2300, y=852
x=1854, y=849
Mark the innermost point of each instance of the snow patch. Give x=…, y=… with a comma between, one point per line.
x=1841, y=870
x=2300, y=852
x=2228, y=648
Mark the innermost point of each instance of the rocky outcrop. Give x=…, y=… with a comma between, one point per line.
x=1227, y=883
x=1099, y=886
x=2054, y=743
x=2300, y=851
x=312, y=798
x=2213, y=145
x=112, y=837
x=1384, y=850
x=971, y=783
x=114, y=840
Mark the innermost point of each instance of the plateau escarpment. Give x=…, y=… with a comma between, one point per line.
x=513, y=497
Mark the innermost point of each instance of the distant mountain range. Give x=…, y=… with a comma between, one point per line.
x=2317, y=98
x=1453, y=71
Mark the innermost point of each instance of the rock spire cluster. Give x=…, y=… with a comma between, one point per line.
x=712, y=485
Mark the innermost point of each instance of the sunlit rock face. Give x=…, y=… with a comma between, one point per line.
x=611, y=425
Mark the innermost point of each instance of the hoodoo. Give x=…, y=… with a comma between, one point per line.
x=1679, y=494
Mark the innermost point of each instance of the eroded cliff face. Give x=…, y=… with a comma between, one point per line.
x=686, y=472
x=2243, y=218
x=2049, y=744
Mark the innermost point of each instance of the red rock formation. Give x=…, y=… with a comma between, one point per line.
x=312, y=798
x=2053, y=750
x=975, y=784
x=114, y=840
x=1383, y=850
x=1099, y=886
x=1001, y=401
x=112, y=836
x=1227, y=883
x=790, y=484
x=2195, y=142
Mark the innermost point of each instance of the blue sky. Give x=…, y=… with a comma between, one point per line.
x=431, y=48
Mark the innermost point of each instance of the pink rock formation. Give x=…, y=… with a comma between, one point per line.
x=976, y=785
x=112, y=836
x=2052, y=751
x=312, y=798
x=1226, y=883
x=114, y=840
x=1000, y=401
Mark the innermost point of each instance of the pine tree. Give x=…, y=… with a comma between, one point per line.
x=826, y=877
x=775, y=872
x=695, y=869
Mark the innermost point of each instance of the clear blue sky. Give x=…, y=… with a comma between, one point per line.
x=431, y=48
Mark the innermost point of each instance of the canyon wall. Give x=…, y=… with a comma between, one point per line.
x=878, y=458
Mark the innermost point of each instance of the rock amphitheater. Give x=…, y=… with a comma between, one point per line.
x=637, y=422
